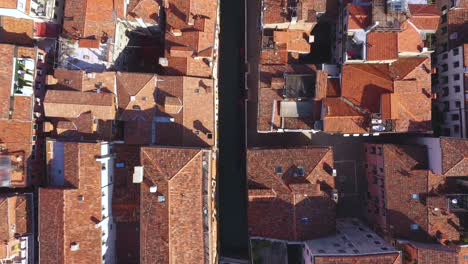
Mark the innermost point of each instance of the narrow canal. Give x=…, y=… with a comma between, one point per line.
x=232, y=176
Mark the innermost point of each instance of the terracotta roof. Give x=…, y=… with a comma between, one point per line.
x=196, y=22
x=301, y=207
x=16, y=30
x=359, y=16
x=457, y=23
x=8, y=4
x=174, y=230
x=391, y=258
x=430, y=253
x=16, y=212
x=405, y=169
x=409, y=39
x=6, y=73
x=82, y=81
x=147, y=10
x=63, y=218
x=274, y=11
x=194, y=124
x=295, y=40
x=424, y=17
x=16, y=137
x=70, y=104
x=454, y=156
x=382, y=45
x=374, y=81
x=88, y=18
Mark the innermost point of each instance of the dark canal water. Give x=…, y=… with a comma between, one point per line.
x=232, y=175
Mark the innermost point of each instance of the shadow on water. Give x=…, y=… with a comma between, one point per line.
x=232, y=176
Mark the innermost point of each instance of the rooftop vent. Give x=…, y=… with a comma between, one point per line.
x=163, y=62
x=138, y=174
x=153, y=189
x=74, y=246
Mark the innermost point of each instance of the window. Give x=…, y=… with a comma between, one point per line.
x=456, y=129
x=136, y=107
x=445, y=91
x=456, y=77
x=456, y=64
x=446, y=105
x=444, y=56
x=455, y=117
x=457, y=88
x=372, y=150
x=375, y=180
x=300, y=171
x=444, y=30
x=444, y=67
x=445, y=80
x=379, y=151
x=414, y=227
x=447, y=131
x=120, y=165
x=457, y=104
x=381, y=170
x=455, y=51
x=415, y=196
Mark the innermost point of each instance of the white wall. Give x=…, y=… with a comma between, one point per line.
x=107, y=225
x=434, y=152
x=453, y=96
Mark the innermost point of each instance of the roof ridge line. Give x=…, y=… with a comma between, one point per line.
x=186, y=164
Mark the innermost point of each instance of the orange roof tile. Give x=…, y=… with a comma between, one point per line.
x=88, y=19
x=63, y=218
x=16, y=30
x=409, y=39
x=359, y=16
x=70, y=104
x=382, y=46
x=454, y=156
x=174, y=230
x=390, y=258
x=147, y=10
x=296, y=197
x=295, y=40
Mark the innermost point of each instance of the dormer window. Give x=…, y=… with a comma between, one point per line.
x=279, y=169
x=300, y=171
x=136, y=107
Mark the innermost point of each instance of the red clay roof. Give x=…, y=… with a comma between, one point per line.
x=16, y=137
x=16, y=30
x=409, y=39
x=196, y=22
x=406, y=173
x=64, y=219
x=274, y=11
x=456, y=23
x=88, y=18
x=70, y=104
x=359, y=16
x=295, y=40
x=301, y=207
x=454, y=156
x=391, y=258
x=82, y=81
x=425, y=17
x=382, y=46
x=147, y=10
x=8, y=53
x=172, y=231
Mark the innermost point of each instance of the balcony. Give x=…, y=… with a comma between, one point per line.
x=42, y=8
x=354, y=47
x=23, y=77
